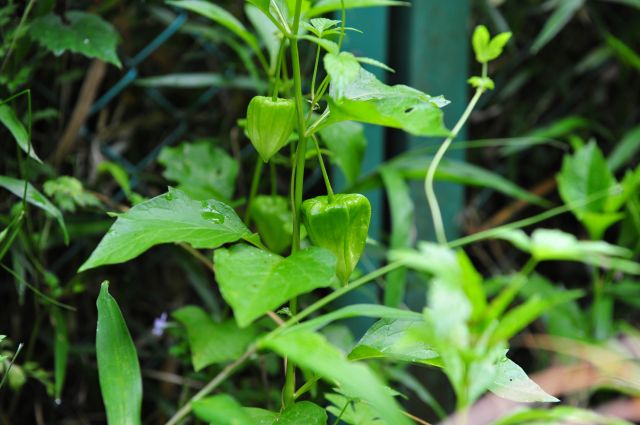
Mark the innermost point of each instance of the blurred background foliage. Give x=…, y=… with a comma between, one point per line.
x=571, y=75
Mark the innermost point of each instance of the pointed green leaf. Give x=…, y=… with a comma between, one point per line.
x=83, y=33
x=202, y=170
x=324, y=6
x=366, y=99
x=172, y=217
x=221, y=409
x=559, y=416
x=16, y=128
x=512, y=383
x=35, y=198
x=220, y=16
x=253, y=281
x=312, y=351
x=563, y=13
x=386, y=339
x=118, y=367
x=212, y=342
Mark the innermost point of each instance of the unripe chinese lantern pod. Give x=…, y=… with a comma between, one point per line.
x=270, y=124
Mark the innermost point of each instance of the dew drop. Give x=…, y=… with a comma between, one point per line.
x=86, y=41
x=169, y=196
x=58, y=402
x=209, y=213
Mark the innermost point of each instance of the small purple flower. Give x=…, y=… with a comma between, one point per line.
x=160, y=324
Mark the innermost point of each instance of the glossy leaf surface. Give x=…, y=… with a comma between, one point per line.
x=221, y=409
x=172, y=217
x=254, y=281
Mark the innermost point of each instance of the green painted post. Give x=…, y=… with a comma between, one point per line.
x=373, y=22
x=432, y=50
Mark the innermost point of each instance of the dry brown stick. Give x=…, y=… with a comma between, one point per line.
x=86, y=97
x=506, y=213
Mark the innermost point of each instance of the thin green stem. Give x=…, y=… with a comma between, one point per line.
x=496, y=231
x=276, y=74
x=325, y=176
x=431, y=172
x=290, y=373
x=255, y=182
x=315, y=75
x=212, y=385
x=17, y=33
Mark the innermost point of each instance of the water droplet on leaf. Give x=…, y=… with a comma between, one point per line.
x=209, y=213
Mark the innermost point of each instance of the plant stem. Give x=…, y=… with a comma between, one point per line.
x=276, y=74
x=337, y=294
x=212, y=385
x=290, y=373
x=255, y=181
x=431, y=172
x=325, y=176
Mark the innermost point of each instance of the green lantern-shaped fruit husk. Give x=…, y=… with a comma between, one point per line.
x=340, y=226
x=270, y=124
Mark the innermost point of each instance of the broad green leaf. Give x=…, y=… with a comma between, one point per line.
x=625, y=149
x=172, y=217
x=402, y=230
x=36, y=199
x=261, y=416
x=312, y=351
x=191, y=80
x=303, y=412
x=202, y=170
x=212, y=342
x=565, y=9
x=16, y=128
x=68, y=193
x=347, y=143
x=221, y=409
x=512, y=383
x=253, y=281
x=220, y=16
x=386, y=339
x=366, y=99
x=324, y=6
x=118, y=367
x=583, y=176
x=272, y=216
x=343, y=69
x=60, y=351
x=83, y=33
x=559, y=416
